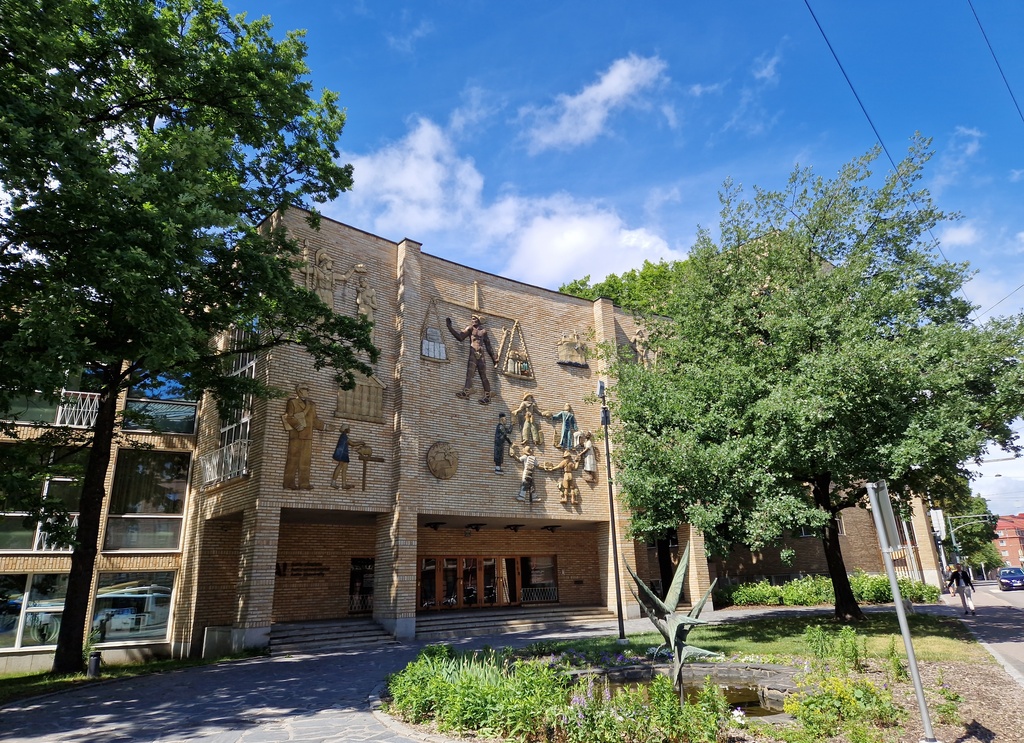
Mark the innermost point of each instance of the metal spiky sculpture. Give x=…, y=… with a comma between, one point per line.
x=674, y=627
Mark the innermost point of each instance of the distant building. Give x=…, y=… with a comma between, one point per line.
x=1010, y=540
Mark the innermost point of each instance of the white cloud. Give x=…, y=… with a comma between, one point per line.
x=994, y=297
x=670, y=116
x=478, y=106
x=964, y=144
x=1019, y=241
x=582, y=118
x=1016, y=175
x=560, y=238
x=697, y=90
x=766, y=69
x=406, y=44
x=750, y=114
x=963, y=234
x=420, y=187
x=415, y=186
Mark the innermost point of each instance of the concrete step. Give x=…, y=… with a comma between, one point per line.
x=315, y=637
x=447, y=625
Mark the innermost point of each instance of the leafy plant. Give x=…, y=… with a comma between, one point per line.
x=834, y=703
x=948, y=710
x=895, y=666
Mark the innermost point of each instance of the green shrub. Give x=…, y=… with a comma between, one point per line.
x=817, y=590
x=761, y=593
x=838, y=703
x=494, y=695
x=808, y=591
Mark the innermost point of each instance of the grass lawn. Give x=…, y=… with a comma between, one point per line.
x=780, y=640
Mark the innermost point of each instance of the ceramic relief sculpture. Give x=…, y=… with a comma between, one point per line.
x=341, y=455
x=571, y=351
x=526, y=415
x=366, y=298
x=431, y=343
x=513, y=349
x=567, y=434
x=567, y=487
x=501, y=438
x=643, y=350
x=588, y=458
x=479, y=342
x=364, y=402
x=300, y=420
x=528, y=459
x=442, y=460
x=320, y=274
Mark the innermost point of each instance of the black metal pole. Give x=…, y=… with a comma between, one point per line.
x=605, y=420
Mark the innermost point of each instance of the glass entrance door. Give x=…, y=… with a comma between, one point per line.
x=466, y=582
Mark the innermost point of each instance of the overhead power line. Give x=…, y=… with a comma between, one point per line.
x=874, y=129
x=996, y=60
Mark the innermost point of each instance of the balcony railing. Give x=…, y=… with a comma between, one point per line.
x=224, y=463
x=77, y=409
x=42, y=543
x=540, y=594
x=359, y=603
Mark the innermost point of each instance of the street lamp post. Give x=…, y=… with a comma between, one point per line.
x=606, y=421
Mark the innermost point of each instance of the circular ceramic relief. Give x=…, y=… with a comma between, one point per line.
x=442, y=460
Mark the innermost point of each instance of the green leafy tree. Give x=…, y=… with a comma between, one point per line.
x=646, y=291
x=818, y=345
x=143, y=147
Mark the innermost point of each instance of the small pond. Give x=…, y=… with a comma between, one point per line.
x=739, y=696
x=760, y=690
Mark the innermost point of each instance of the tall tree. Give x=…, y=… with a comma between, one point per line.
x=143, y=146
x=818, y=345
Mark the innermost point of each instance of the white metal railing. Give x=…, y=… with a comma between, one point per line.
x=42, y=540
x=224, y=463
x=541, y=593
x=77, y=409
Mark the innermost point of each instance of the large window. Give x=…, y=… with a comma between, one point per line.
x=157, y=402
x=147, y=500
x=132, y=606
x=17, y=532
x=129, y=606
x=31, y=606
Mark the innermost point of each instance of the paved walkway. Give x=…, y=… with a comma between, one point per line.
x=325, y=698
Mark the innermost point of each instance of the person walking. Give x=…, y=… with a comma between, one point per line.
x=960, y=583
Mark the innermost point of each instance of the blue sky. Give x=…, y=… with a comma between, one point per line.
x=547, y=141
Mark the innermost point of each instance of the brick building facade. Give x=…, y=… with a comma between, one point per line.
x=260, y=528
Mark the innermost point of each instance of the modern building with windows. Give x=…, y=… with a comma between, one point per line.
x=219, y=528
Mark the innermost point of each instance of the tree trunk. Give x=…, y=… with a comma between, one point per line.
x=68, y=657
x=847, y=609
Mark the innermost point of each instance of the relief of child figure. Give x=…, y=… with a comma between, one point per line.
x=570, y=493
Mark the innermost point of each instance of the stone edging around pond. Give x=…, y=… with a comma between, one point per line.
x=774, y=682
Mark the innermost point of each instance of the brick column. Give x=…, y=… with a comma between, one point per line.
x=698, y=577
x=395, y=568
x=256, y=576
x=396, y=562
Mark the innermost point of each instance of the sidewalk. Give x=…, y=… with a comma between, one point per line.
x=324, y=698
x=998, y=626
